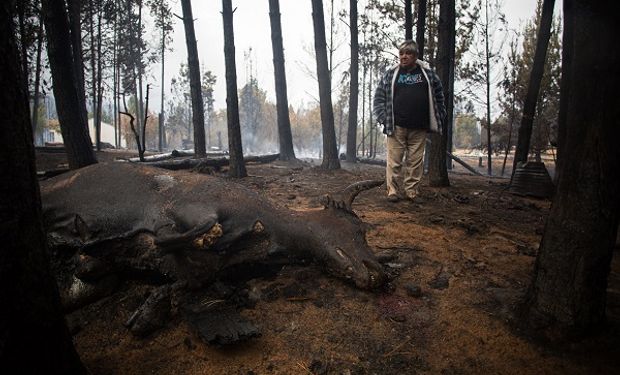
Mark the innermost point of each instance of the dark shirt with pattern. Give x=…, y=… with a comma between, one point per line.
x=411, y=107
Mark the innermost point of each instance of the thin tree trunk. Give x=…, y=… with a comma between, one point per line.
x=160, y=139
x=488, y=89
x=93, y=70
x=438, y=165
x=34, y=338
x=354, y=84
x=408, y=20
x=533, y=88
x=73, y=121
x=21, y=8
x=37, y=80
x=364, y=109
x=139, y=92
x=198, y=113
x=287, y=152
x=569, y=288
x=330, y=151
x=75, y=24
x=115, y=79
x=99, y=76
x=421, y=28
x=370, y=124
x=512, y=119
x=567, y=52
x=237, y=165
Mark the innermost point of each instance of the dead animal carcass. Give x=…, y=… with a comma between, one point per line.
x=186, y=228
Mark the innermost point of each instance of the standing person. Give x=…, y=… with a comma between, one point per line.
x=408, y=102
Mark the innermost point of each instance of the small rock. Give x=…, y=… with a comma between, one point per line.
x=291, y=196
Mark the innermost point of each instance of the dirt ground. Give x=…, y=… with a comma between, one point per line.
x=461, y=259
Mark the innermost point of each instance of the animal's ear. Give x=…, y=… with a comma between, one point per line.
x=344, y=198
x=81, y=228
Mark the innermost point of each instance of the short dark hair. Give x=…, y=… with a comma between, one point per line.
x=408, y=46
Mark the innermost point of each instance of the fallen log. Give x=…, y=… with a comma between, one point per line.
x=176, y=165
x=174, y=154
x=461, y=162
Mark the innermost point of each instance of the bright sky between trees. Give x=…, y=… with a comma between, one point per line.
x=252, y=30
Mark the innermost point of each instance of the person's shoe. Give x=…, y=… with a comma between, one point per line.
x=392, y=198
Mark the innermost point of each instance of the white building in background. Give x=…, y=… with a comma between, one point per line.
x=107, y=134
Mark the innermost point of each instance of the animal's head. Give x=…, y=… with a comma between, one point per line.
x=341, y=234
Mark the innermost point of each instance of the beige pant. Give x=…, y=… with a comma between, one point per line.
x=407, y=143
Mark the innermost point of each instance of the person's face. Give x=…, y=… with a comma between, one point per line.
x=407, y=57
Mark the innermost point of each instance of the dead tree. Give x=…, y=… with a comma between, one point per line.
x=533, y=87
x=569, y=286
x=567, y=51
x=139, y=140
x=34, y=338
x=354, y=84
x=438, y=165
x=330, y=150
x=287, y=152
x=237, y=167
x=66, y=85
x=408, y=20
x=421, y=28
x=198, y=113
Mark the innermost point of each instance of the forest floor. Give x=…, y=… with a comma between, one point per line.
x=462, y=258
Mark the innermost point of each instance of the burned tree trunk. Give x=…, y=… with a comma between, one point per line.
x=421, y=28
x=354, y=84
x=284, y=122
x=237, y=167
x=568, y=292
x=567, y=50
x=533, y=88
x=408, y=20
x=198, y=113
x=66, y=84
x=438, y=166
x=37, y=79
x=330, y=150
x=33, y=335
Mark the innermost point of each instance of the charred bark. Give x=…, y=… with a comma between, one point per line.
x=567, y=51
x=37, y=79
x=198, y=113
x=408, y=20
x=354, y=84
x=421, y=27
x=66, y=84
x=438, y=166
x=533, y=88
x=284, y=122
x=176, y=165
x=568, y=291
x=33, y=334
x=237, y=167
x=330, y=150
